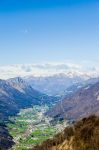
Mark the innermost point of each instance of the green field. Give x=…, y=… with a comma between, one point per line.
x=30, y=127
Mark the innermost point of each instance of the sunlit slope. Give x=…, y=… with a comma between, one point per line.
x=83, y=135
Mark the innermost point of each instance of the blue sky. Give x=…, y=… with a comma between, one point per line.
x=36, y=31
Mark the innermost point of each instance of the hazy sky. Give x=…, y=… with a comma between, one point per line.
x=36, y=31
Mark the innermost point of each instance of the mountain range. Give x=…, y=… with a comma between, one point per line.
x=48, y=84
x=73, y=98
x=70, y=69
x=17, y=93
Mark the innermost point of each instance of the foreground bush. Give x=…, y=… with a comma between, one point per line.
x=83, y=135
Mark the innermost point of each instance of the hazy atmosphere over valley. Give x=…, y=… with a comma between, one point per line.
x=49, y=75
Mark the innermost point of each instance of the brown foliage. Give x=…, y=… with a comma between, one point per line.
x=85, y=135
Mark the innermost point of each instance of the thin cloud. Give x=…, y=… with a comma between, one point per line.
x=25, y=31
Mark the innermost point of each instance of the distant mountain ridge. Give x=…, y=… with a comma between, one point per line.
x=65, y=83
x=48, y=84
x=48, y=69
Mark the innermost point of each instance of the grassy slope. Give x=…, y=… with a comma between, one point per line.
x=83, y=135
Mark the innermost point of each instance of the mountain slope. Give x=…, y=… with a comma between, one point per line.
x=83, y=135
x=15, y=94
x=82, y=103
x=8, y=105
x=6, y=141
x=39, y=98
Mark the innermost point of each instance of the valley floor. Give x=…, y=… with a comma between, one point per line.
x=31, y=127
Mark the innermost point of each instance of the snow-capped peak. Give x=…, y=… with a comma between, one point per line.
x=47, y=69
